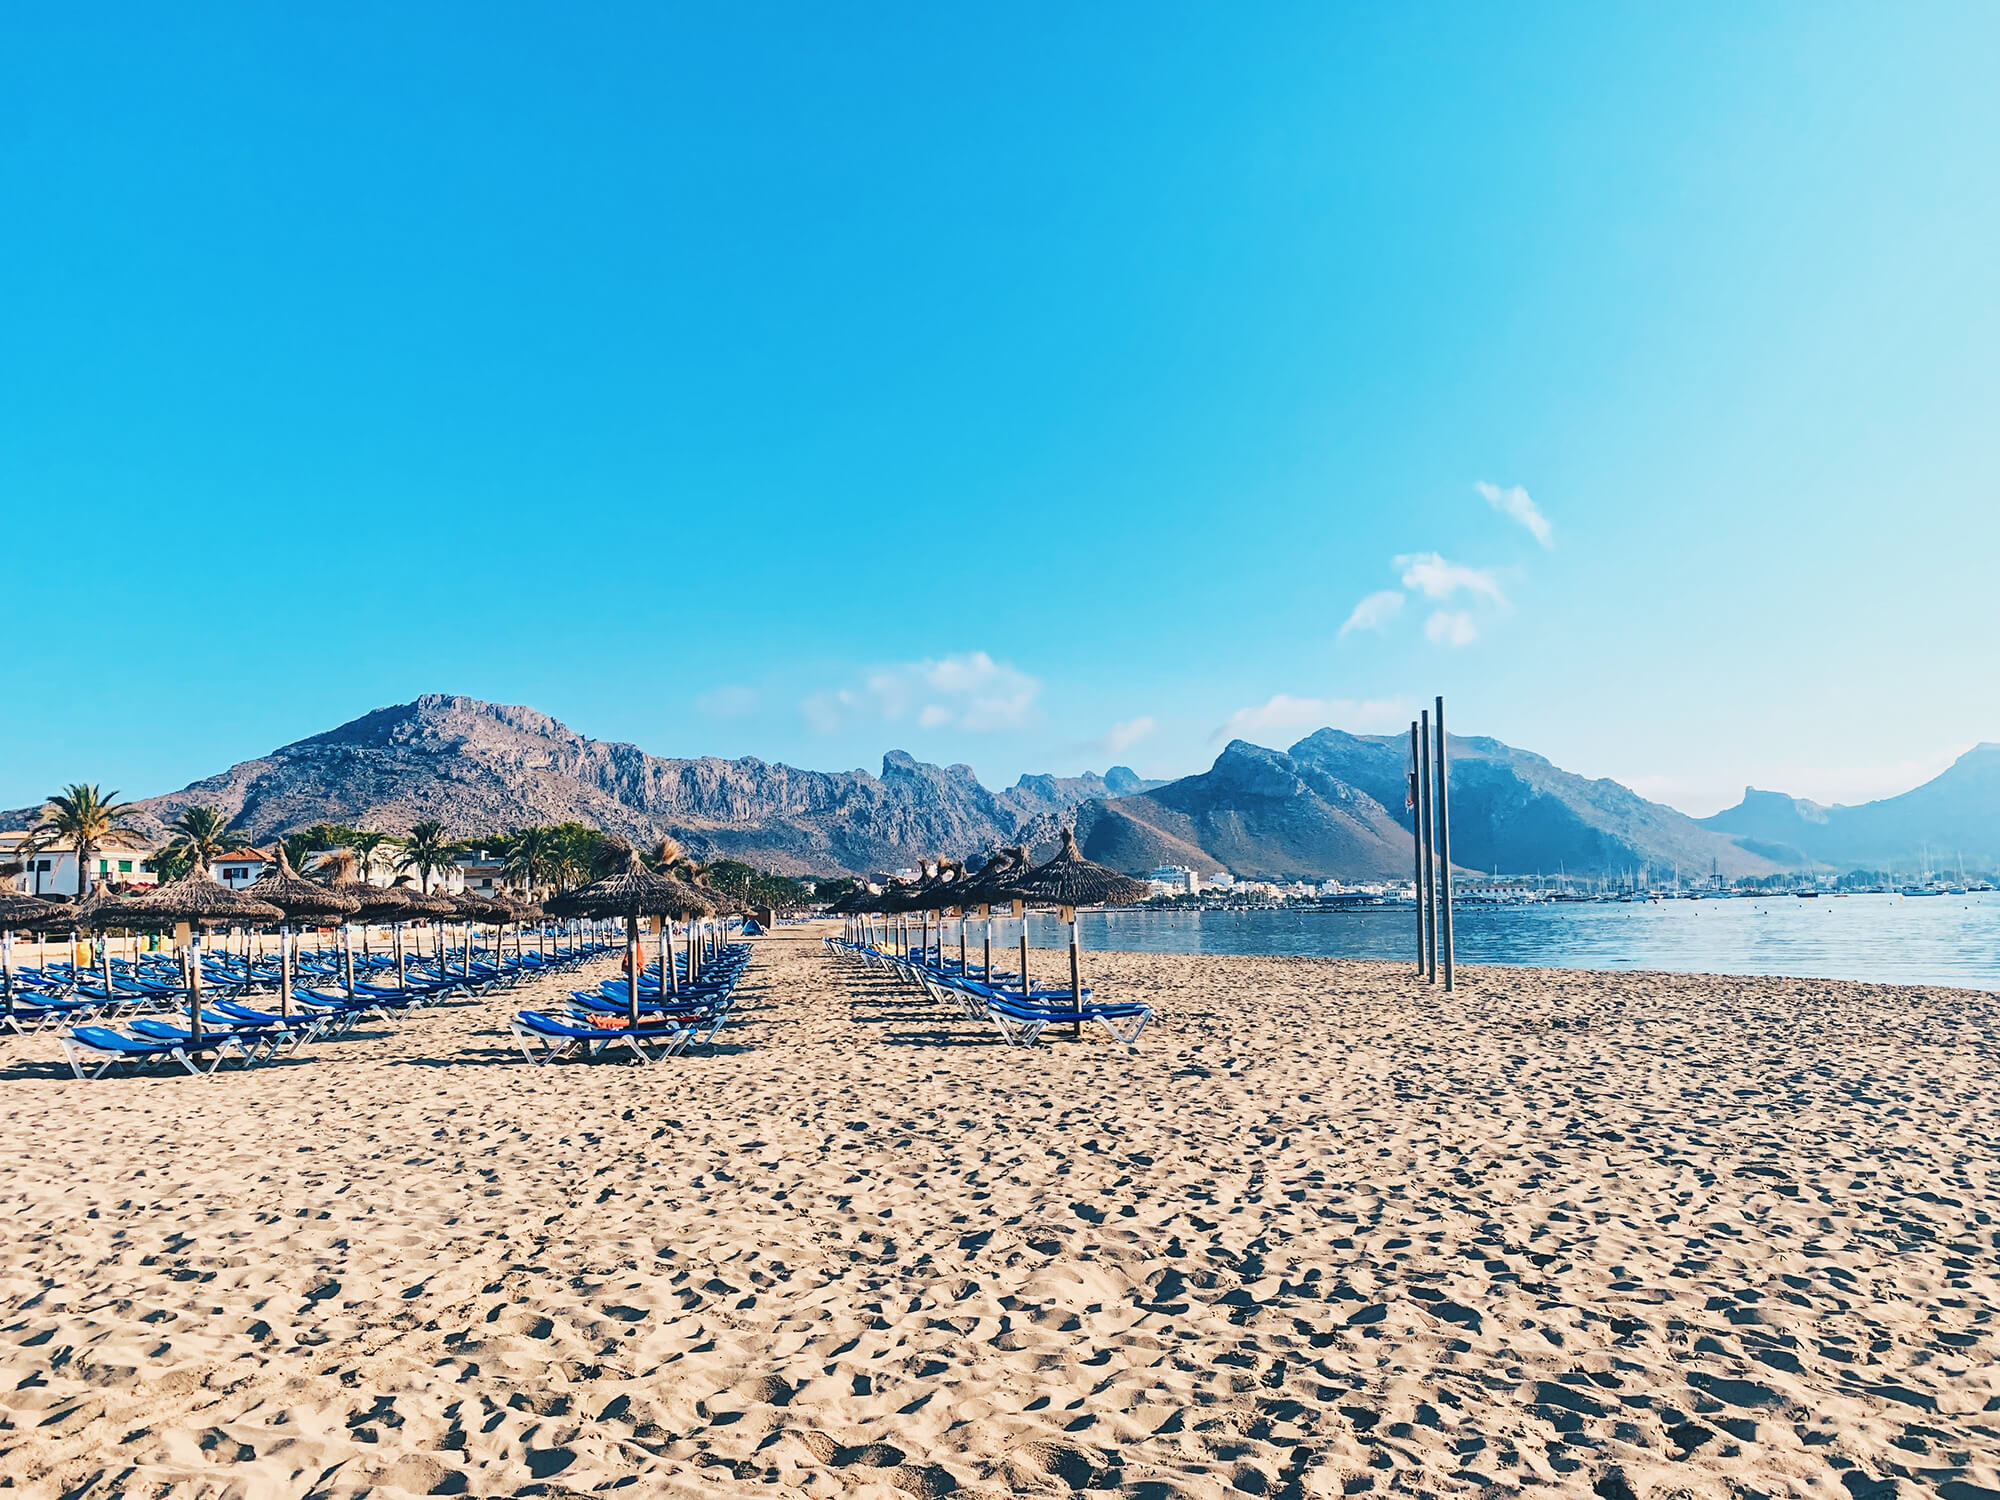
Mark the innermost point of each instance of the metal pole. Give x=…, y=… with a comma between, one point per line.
x=1444, y=846
x=1425, y=813
x=1417, y=845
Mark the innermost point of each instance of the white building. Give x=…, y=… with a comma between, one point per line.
x=52, y=872
x=240, y=867
x=1175, y=880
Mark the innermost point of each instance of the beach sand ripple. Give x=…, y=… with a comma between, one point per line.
x=1323, y=1232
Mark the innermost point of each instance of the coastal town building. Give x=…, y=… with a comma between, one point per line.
x=241, y=867
x=52, y=872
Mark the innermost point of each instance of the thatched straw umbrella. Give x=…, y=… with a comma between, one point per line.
x=25, y=913
x=989, y=885
x=99, y=912
x=194, y=901
x=1067, y=882
x=632, y=893
x=399, y=903
x=337, y=873
x=59, y=915
x=303, y=901
x=940, y=893
x=472, y=909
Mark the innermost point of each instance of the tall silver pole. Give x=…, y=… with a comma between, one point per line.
x=1444, y=847
x=1425, y=814
x=1417, y=841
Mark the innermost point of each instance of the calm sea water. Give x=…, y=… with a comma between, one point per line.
x=1946, y=940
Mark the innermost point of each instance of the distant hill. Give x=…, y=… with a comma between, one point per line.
x=485, y=767
x=1333, y=806
x=1956, y=813
x=1258, y=813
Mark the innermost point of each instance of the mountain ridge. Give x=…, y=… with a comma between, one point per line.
x=481, y=767
x=1329, y=807
x=1956, y=812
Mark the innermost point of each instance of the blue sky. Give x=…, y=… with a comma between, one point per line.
x=1033, y=386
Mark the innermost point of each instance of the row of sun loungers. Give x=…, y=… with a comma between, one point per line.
x=598, y=1023
x=1019, y=1017
x=141, y=1022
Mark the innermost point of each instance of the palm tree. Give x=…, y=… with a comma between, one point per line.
x=322, y=836
x=367, y=846
x=200, y=836
x=300, y=847
x=80, y=819
x=427, y=851
x=582, y=854
x=531, y=853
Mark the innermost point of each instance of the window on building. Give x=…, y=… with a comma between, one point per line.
x=124, y=867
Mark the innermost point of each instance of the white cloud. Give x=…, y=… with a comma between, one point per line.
x=1123, y=737
x=1451, y=627
x=1283, y=714
x=1515, y=503
x=970, y=691
x=1434, y=578
x=1372, y=613
x=727, y=703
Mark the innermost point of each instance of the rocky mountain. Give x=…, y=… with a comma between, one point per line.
x=1333, y=807
x=1956, y=813
x=485, y=767
x=1257, y=813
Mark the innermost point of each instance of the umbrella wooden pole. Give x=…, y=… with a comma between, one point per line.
x=961, y=942
x=285, y=970
x=7, y=968
x=986, y=943
x=402, y=972
x=632, y=967
x=194, y=982
x=1075, y=974
x=347, y=954
x=1021, y=916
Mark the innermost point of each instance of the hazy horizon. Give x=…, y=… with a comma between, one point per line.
x=992, y=782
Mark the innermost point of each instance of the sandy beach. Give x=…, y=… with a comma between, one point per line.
x=1323, y=1232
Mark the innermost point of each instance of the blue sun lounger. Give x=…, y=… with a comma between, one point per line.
x=254, y=1043
x=543, y=1039
x=101, y=1049
x=1021, y=1025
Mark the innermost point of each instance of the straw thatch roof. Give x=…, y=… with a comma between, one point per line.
x=1071, y=880
x=20, y=912
x=994, y=882
x=470, y=906
x=302, y=900
x=336, y=873
x=103, y=908
x=634, y=891
x=418, y=902
x=193, y=898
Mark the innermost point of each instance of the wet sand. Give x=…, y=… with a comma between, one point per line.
x=1323, y=1232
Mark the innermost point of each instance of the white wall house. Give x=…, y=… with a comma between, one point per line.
x=52, y=872
x=240, y=867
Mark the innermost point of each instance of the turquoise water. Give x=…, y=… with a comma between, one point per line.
x=1945, y=940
